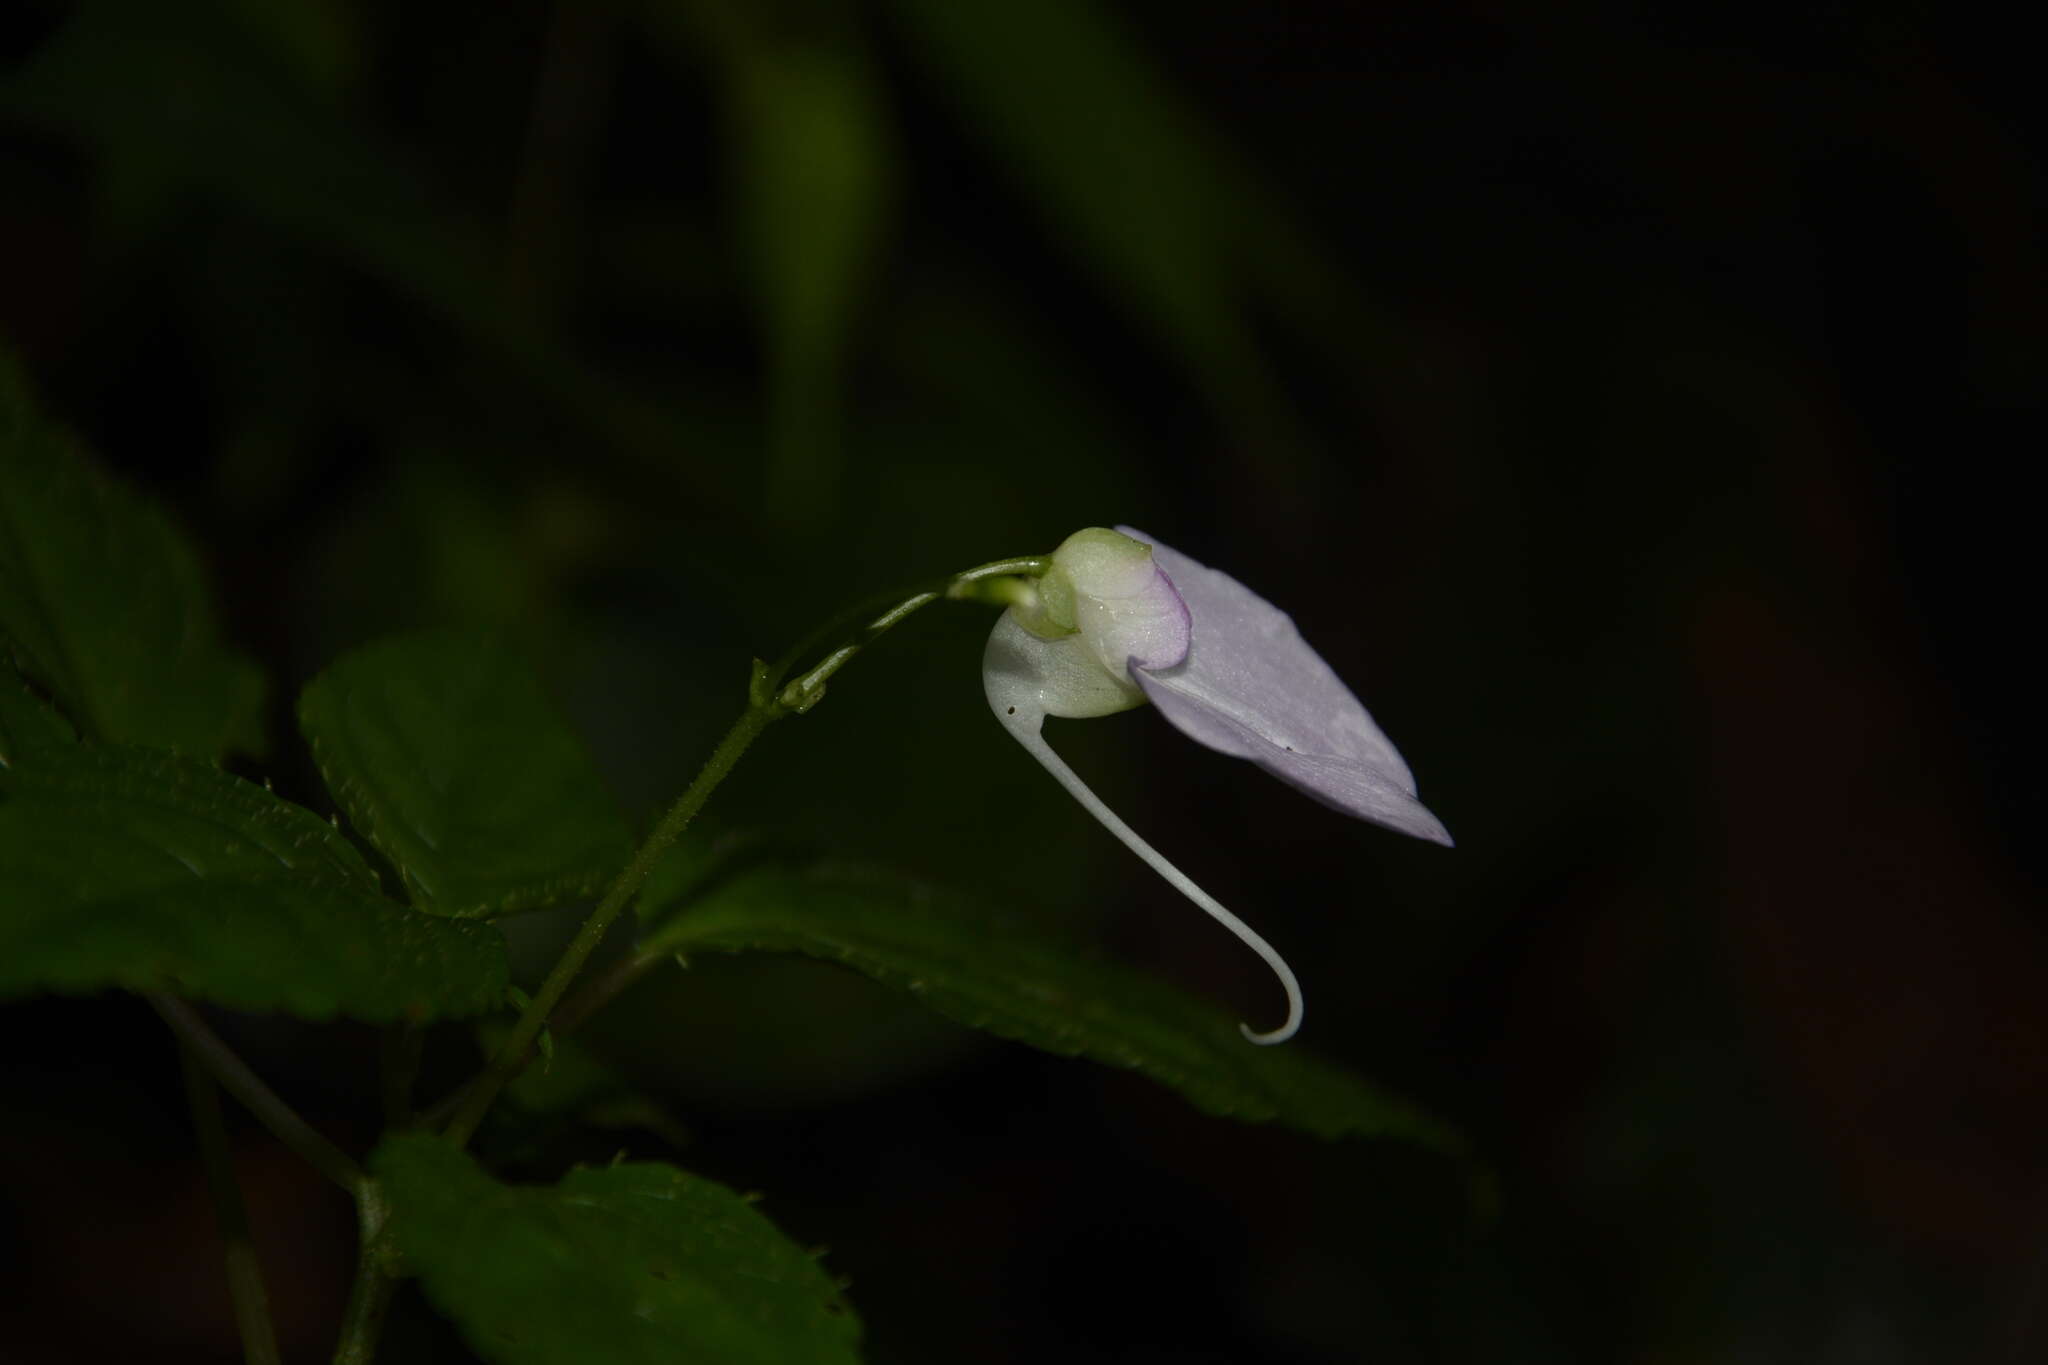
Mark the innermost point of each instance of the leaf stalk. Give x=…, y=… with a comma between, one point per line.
x=235, y=1077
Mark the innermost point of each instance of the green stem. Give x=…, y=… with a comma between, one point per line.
x=238, y=1080
x=768, y=700
x=967, y=584
x=762, y=711
x=376, y=1281
x=594, y=994
x=245, y=1276
x=587, y=999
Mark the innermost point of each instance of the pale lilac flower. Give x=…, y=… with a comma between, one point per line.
x=1120, y=620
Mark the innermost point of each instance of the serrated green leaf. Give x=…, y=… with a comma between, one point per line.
x=210, y=823
x=136, y=868
x=445, y=752
x=996, y=973
x=101, y=600
x=258, y=946
x=631, y=1263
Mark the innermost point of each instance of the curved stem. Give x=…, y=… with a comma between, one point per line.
x=238, y=1080
x=245, y=1275
x=1025, y=724
x=965, y=585
x=376, y=1281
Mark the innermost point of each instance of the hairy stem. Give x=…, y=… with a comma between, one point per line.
x=238, y=1080
x=761, y=712
x=245, y=1275
x=860, y=630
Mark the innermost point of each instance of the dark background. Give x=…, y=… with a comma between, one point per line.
x=1620, y=396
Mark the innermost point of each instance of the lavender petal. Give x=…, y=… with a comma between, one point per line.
x=1251, y=687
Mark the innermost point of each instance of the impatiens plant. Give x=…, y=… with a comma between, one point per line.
x=131, y=860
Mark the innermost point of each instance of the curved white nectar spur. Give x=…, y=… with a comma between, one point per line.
x=1120, y=620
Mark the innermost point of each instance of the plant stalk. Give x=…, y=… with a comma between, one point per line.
x=369, y=1298
x=245, y=1275
x=235, y=1077
x=762, y=711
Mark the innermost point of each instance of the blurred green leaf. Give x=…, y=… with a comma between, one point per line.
x=1118, y=163
x=996, y=973
x=27, y=722
x=101, y=601
x=137, y=868
x=445, y=752
x=630, y=1263
x=321, y=42
x=196, y=97
x=810, y=150
x=812, y=156
x=189, y=103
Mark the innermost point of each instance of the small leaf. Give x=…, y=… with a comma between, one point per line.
x=572, y=1086
x=998, y=974
x=136, y=868
x=631, y=1263
x=101, y=601
x=567, y=1077
x=448, y=756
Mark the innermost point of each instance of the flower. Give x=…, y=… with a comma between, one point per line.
x=1120, y=620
